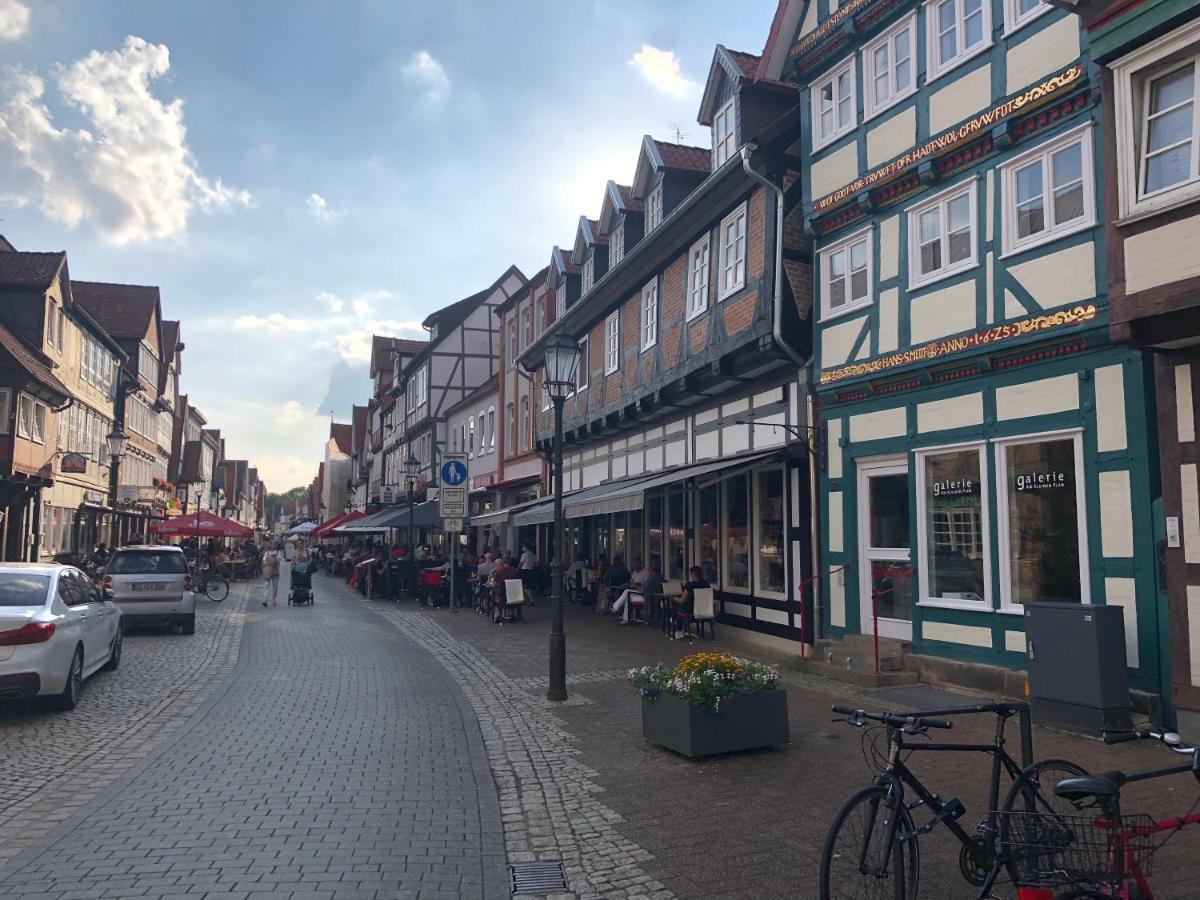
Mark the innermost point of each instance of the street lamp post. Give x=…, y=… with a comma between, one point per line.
x=412, y=468
x=117, y=439
x=562, y=367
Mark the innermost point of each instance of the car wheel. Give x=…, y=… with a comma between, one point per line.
x=189, y=627
x=69, y=698
x=114, y=655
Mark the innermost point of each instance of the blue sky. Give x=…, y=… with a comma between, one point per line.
x=297, y=173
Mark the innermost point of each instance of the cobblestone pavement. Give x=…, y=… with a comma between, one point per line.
x=338, y=761
x=51, y=763
x=579, y=780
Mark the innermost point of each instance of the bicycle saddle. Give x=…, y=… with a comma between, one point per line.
x=1085, y=786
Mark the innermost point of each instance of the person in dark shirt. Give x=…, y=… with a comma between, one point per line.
x=686, y=601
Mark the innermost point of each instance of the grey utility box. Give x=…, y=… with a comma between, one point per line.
x=1077, y=668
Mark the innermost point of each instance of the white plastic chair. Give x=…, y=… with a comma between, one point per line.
x=514, y=596
x=704, y=610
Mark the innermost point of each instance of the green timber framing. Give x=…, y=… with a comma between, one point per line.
x=1013, y=345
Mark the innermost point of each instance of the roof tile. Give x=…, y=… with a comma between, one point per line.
x=30, y=270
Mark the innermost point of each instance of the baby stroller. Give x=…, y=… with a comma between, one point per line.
x=300, y=587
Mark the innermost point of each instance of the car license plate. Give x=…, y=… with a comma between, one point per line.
x=148, y=586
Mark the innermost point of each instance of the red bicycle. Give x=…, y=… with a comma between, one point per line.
x=1104, y=855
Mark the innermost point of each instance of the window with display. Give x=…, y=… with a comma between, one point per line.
x=769, y=555
x=708, y=532
x=676, y=567
x=654, y=532
x=1042, y=526
x=737, y=534
x=953, y=510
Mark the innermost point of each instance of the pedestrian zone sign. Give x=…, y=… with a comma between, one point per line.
x=454, y=469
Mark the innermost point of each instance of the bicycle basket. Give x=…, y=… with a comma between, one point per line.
x=1052, y=850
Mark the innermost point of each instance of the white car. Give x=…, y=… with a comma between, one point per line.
x=56, y=629
x=152, y=584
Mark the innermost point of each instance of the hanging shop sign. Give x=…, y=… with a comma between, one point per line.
x=73, y=464
x=1033, y=96
x=1008, y=331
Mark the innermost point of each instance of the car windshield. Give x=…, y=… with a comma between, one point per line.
x=23, y=589
x=147, y=562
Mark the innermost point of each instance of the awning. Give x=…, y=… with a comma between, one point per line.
x=500, y=516
x=304, y=528
x=367, y=523
x=424, y=515
x=331, y=527
x=536, y=513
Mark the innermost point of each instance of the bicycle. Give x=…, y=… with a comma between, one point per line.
x=1107, y=856
x=872, y=847
x=211, y=585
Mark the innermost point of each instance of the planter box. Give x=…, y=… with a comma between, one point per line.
x=745, y=722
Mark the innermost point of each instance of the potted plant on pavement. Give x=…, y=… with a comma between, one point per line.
x=712, y=703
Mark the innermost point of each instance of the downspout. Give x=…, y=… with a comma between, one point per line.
x=814, y=450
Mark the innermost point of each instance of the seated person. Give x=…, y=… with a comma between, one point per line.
x=645, y=582
x=505, y=570
x=685, y=602
x=486, y=566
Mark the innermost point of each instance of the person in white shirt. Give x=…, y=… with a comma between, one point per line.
x=528, y=560
x=623, y=605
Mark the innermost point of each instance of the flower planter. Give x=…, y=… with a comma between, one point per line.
x=745, y=722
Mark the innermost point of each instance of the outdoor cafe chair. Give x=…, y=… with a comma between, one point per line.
x=704, y=610
x=514, y=597
x=664, y=601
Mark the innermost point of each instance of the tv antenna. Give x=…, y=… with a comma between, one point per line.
x=680, y=134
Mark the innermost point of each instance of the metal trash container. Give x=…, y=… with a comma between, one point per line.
x=1078, y=679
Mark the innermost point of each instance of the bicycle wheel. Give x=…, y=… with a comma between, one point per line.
x=216, y=588
x=857, y=861
x=1033, y=792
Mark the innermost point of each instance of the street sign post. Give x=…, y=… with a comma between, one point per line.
x=453, y=492
x=452, y=526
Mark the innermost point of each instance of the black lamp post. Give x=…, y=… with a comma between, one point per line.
x=412, y=468
x=117, y=439
x=560, y=378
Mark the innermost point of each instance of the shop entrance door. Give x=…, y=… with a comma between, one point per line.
x=886, y=580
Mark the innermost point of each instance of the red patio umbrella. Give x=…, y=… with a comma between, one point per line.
x=351, y=518
x=202, y=524
x=325, y=527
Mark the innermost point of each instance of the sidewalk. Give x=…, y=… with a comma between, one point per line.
x=749, y=825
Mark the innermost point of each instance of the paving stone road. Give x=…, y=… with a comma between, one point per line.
x=337, y=761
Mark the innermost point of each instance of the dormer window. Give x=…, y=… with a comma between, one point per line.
x=723, y=135
x=616, y=244
x=654, y=210
x=560, y=300
x=589, y=273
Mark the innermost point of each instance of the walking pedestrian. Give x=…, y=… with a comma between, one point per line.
x=270, y=569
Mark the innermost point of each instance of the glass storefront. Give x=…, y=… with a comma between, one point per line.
x=654, y=532
x=676, y=567
x=954, y=522
x=708, y=532
x=771, y=577
x=737, y=533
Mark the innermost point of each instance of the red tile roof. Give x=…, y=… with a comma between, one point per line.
x=30, y=270
x=32, y=362
x=170, y=330
x=632, y=203
x=681, y=156
x=596, y=235
x=340, y=432
x=123, y=310
x=747, y=62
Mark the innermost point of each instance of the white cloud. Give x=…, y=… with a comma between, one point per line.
x=332, y=302
x=132, y=175
x=320, y=208
x=14, y=19
x=661, y=69
x=427, y=75
x=292, y=413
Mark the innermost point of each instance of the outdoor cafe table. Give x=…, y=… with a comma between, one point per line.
x=234, y=569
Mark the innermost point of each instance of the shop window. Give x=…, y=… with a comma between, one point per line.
x=942, y=236
x=952, y=507
x=633, y=537
x=676, y=568
x=1046, y=192
x=1043, y=533
x=618, y=538
x=737, y=534
x=708, y=532
x=654, y=532
x=769, y=548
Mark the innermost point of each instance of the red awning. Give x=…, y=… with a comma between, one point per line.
x=325, y=527
x=202, y=524
x=347, y=520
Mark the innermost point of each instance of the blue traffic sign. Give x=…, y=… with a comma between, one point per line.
x=454, y=473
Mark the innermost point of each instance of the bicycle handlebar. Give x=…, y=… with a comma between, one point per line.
x=893, y=720
x=1169, y=738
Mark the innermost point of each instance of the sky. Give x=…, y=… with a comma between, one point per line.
x=296, y=175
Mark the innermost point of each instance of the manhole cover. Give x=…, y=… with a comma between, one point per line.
x=538, y=878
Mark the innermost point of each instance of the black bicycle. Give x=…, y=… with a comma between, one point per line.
x=872, y=847
x=211, y=585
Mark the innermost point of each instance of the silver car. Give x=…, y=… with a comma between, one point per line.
x=56, y=629
x=152, y=584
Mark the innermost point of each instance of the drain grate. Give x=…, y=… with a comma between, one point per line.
x=538, y=878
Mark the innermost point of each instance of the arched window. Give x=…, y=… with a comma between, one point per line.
x=512, y=431
x=524, y=423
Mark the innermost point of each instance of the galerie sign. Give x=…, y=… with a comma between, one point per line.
x=954, y=487
x=1034, y=95
x=1040, y=481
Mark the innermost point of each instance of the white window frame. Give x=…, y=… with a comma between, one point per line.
x=1014, y=19
x=616, y=243
x=491, y=427
x=526, y=327
x=756, y=506
x=871, y=106
x=612, y=342
x=649, y=314
x=482, y=433
x=584, y=371
x=840, y=129
x=922, y=555
x=654, y=207
x=915, y=278
x=6, y=409
x=933, y=70
x=697, y=288
x=727, y=290
x=867, y=234
x=1012, y=244
x=589, y=272
x=1132, y=75
x=512, y=341
x=724, y=134
x=560, y=299
x=1003, y=547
